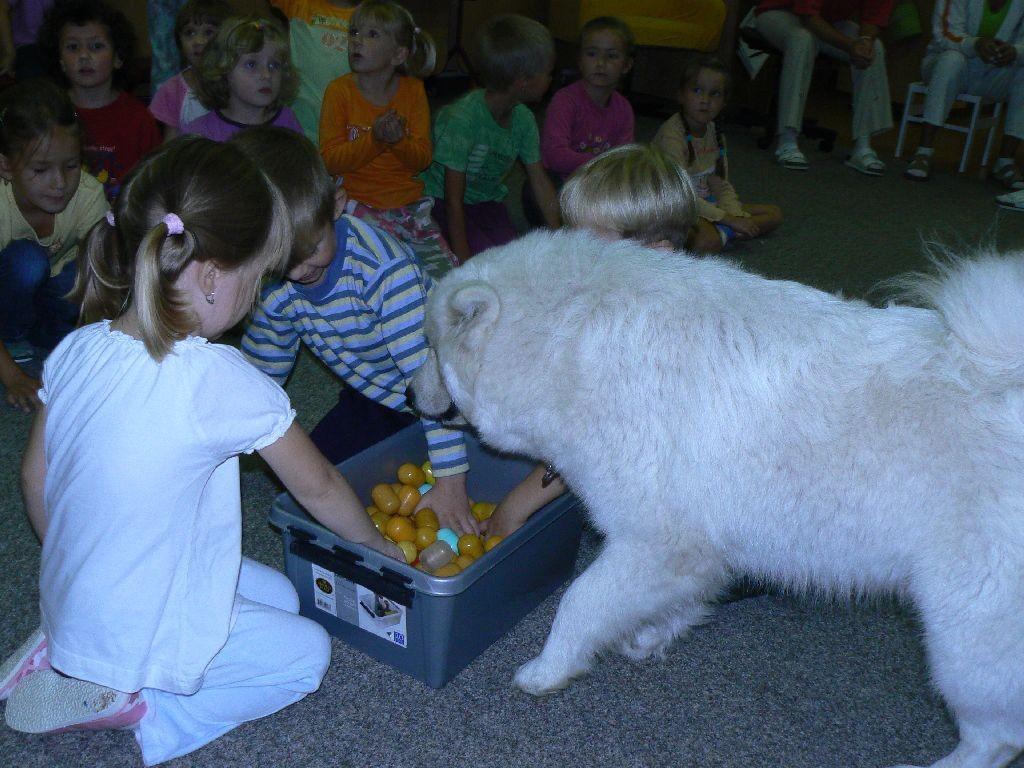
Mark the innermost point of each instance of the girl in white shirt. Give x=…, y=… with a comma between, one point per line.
x=151, y=618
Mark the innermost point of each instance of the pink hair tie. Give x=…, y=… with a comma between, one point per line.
x=175, y=226
x=110, y=218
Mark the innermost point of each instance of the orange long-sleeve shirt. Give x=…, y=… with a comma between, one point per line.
x=375, y=173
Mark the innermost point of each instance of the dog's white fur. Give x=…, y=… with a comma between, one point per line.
x=719, y=423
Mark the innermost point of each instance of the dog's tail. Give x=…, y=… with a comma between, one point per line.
x=981, y=300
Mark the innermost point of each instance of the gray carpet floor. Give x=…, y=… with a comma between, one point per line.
x=772, y=680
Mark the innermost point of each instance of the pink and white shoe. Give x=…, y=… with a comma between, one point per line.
x=48, y=702
x=29, y=658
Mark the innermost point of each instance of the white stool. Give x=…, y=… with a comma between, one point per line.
x=912, y=114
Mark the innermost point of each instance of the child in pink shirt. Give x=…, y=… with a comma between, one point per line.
x=175, y=102
x=589, y=116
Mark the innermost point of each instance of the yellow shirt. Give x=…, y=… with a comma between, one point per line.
x=85, y=208
x=375, y=173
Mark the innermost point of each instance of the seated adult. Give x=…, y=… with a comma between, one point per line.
x=977, y=47
x=842, y=29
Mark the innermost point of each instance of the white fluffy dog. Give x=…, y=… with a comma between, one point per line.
x=725, y=424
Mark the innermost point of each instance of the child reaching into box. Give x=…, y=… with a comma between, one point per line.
x=691, y=137
x=175, y=102
x=636, y=192
x=375, y=129
x=355, y=296
x=47, y=204
x=245, y=79
x=89, y=43
x=479, y=138
x=151, y=618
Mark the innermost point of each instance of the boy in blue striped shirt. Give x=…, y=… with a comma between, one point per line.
x=355, y=296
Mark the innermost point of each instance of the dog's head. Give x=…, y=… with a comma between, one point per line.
x=460, y=316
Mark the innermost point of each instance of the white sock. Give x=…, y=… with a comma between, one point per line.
x=863, y=144
x=1002, y=162
x=787, y=138
x=925, y=151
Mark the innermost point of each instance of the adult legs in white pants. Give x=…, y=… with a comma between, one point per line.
x=872, y=111
x=949, y=73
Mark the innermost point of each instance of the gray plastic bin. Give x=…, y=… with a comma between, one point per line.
x=429, y=628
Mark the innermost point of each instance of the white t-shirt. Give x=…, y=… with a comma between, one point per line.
x=143, y=545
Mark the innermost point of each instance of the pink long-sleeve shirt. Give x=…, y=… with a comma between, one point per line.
x=576, y=129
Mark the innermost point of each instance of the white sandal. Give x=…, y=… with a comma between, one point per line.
x=792, y=158
x=867, y=162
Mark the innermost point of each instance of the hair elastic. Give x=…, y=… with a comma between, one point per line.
x=110, y=218
x=175, y=226
x=416, y=30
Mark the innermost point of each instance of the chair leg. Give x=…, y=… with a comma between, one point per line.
x=908, y=106
x=969, y=139
x=997, y=112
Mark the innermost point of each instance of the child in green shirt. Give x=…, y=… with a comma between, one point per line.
x=478, y=138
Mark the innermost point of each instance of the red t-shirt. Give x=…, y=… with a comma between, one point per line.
x=875, y=12
x=117, y=136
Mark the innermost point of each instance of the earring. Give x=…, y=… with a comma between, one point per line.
x=209, y=297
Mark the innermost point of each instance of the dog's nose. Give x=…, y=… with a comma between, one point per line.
x=451, y=413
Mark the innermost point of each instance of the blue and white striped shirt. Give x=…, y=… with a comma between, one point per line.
x=364, y=319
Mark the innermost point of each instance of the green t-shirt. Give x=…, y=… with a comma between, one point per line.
x=991, y=20
x=467, y=139
x=318, y=38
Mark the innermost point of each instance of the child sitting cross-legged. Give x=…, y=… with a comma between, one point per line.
x=355, y=296
x=692, y=138
x=47, y=204
x=375, y=129
x=175, y=102
x=151, y=619
x=479, y=138
x=589, y=116
x=88, y=44
x=635, y=192
x=245, y=79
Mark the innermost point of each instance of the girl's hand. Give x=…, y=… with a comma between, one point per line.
x=449, y=501
x=385, y=547
x=745, y=227
x=862, y=52
x=21, y=391
x=389, y=127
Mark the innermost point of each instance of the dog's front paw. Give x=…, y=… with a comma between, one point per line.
x=538, y=678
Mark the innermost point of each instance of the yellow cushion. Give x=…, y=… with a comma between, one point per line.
x=692, y=24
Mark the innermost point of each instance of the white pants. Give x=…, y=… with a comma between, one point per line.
x=872, y=107
x=950, y=72
x=272, y=658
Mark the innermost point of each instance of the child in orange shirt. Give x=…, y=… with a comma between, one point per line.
x=375, y=129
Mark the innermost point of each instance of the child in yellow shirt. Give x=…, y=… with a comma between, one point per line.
x=375, y=129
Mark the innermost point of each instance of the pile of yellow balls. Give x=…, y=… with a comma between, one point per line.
x=392, y=513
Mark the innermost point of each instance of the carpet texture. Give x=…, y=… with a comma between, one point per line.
x=772, y=680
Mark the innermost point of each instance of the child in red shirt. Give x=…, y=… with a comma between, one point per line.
x=88, y=43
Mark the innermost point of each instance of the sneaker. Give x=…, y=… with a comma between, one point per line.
x=47, y=702
x=21, y=350
x=1011, y=201
x=29, y=658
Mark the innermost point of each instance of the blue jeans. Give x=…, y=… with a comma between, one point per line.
x=32, y=304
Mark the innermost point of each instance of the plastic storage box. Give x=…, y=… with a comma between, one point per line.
x=427, y=627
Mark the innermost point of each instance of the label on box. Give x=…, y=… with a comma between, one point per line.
x=358, y=605
x=381, y=616
x=325, y=590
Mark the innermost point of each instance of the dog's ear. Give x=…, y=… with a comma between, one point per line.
x=472, y=311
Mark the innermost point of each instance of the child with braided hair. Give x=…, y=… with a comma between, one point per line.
x=693, y=140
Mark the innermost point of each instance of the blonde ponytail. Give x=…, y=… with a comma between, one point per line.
x=228, y=213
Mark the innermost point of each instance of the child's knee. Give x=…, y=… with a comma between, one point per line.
x=25, y=265
x=316, y=657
